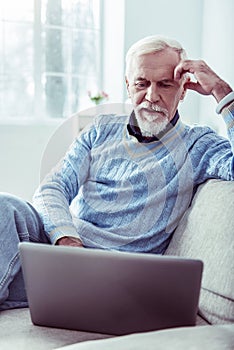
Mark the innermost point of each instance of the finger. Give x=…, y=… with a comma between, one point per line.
x=195, y=87
x=73, y=244
x=184, y=67
x=180, y=70
x=76, y=242
x=192, y=86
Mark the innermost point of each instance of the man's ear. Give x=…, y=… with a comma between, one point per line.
x=127, y=85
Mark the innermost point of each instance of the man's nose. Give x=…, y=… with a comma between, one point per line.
x=152, y=94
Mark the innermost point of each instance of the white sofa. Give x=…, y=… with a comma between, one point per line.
x=206, y=231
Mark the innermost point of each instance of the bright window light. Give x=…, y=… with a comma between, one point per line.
x=49, y=57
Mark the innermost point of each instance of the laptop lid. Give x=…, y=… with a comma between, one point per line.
x=107, y=291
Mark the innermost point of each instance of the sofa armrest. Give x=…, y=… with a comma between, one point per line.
x=206, y=232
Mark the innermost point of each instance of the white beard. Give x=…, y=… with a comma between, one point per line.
x=151, y=119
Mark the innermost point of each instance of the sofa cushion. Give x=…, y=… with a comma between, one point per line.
x=206, y=232
x=18, y=332
x=184, y=338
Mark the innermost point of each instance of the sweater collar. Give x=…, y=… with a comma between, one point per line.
x=134, y=129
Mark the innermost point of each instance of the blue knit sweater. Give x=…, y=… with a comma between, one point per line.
x=115, y=192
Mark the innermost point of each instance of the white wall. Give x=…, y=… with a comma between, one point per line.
x=20, y=157
x=218, y=50
x=180, y=19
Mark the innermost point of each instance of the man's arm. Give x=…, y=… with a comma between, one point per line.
x=54, y=196
x=218, y=156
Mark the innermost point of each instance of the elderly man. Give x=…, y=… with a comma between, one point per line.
x=125, y=182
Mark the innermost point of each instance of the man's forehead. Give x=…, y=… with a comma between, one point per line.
x=162, y=72
x=161, y=62
x=153, y=61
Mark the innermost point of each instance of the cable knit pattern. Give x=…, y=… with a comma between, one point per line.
x=117, y=193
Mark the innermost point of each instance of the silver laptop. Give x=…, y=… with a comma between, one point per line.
x=109, y=292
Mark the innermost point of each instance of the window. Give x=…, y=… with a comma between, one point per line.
x=49, y=57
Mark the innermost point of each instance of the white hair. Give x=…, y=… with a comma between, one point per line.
x=151, y=44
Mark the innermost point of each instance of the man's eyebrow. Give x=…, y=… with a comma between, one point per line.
x=140, y=79
x=164, y=80
x=168, y=80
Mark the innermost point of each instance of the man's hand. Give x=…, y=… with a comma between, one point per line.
x=207, y=81
x=69, y=241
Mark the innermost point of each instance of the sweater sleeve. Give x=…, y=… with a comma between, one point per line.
x=228, y=116
x=54, y=196
x=212, y=155
x=227, y=160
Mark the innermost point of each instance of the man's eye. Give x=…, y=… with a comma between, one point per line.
x=141, y=85
x=165, y=85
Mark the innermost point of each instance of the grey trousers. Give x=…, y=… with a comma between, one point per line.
x=19, y=221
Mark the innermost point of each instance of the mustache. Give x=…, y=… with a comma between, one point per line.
x=152, y=107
